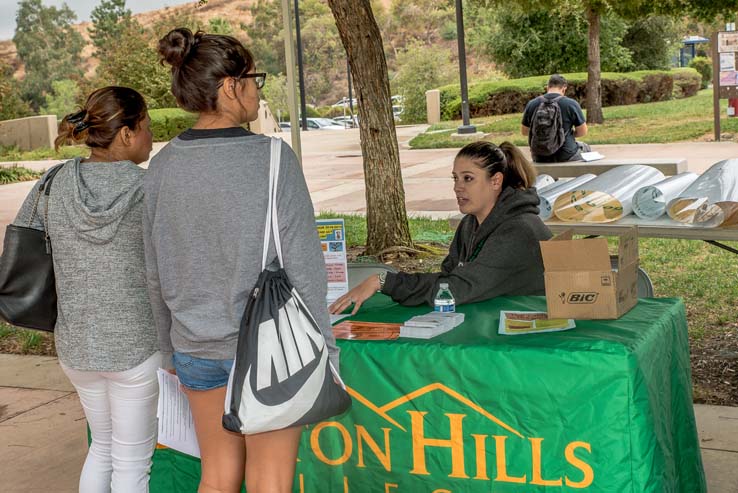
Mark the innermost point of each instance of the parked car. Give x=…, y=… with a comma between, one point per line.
x=324, y=124
x=347, y=121
x=343, y=103
x=285, y=125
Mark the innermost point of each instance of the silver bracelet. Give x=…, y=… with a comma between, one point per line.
x=382, y=277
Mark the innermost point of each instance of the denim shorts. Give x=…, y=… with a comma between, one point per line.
x=201, y=374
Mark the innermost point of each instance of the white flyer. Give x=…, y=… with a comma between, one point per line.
x=332, y=233
x=176, y=427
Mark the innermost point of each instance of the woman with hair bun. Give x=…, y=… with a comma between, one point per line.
x=495, y=251
x=206, y=199
x=104, y=335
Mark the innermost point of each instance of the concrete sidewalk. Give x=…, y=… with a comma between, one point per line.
x=43, y=438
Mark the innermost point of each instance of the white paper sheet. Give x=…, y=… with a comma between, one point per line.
x=650, y=202
x=592, y=156
x=176, y=427
x=608, y=197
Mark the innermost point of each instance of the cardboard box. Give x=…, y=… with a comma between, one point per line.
x=583, y=282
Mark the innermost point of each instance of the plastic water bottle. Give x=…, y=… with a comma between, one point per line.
x=444, y=301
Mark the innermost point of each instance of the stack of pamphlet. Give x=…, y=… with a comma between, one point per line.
x=431, y=324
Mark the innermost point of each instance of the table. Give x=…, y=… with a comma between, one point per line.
x=605, y=407
x=570, y=169
x=663, y=227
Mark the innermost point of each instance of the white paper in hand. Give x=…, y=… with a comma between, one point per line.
x=176, y=427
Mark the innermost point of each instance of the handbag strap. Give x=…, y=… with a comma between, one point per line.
x=44, y=188
x=271, y=227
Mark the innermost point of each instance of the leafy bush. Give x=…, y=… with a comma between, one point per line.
x=686, y=82
x=16, y=174
x=703, y=65
x=63, y=99
x=167, y=123
x=511, y=96
x=420, y=68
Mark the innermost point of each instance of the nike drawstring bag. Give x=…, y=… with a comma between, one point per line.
x=281, y=375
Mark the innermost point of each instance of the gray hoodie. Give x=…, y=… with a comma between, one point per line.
x=104, y=319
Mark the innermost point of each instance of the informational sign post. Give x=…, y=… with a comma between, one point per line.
x=332, y=233
x=724, y=73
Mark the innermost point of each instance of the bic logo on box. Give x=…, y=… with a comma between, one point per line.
x=582, y=298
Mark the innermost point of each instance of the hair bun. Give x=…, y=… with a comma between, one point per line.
x=175, y=46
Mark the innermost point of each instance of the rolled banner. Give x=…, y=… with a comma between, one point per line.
x=712, y=200
x=608, y=197
x=650, y=202
x=549, y=194
x=543, y=181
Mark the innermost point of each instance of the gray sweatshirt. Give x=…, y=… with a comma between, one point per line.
x=104, y=320
x=205, y=201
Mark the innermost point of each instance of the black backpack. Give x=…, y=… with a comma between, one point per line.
x=547, y=128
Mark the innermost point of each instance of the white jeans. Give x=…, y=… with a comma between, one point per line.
x=120, y=408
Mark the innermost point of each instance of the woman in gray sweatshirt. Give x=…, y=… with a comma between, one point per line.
x=206, y=201
x=104, y=333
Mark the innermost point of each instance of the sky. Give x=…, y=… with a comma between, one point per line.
x=82, y=8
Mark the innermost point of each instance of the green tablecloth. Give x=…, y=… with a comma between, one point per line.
x=605, y=407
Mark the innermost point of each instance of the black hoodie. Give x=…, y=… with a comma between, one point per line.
x=507, y=262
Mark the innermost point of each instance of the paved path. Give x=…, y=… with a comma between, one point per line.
x=43, y=435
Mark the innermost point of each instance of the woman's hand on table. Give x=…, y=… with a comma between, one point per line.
x=356, y=296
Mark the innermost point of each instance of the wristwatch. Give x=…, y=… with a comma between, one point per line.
x=382, y=277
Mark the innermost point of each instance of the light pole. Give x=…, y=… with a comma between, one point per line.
x=301, y=75
x=466, y=127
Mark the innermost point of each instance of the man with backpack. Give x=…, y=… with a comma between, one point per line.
x=552, y=122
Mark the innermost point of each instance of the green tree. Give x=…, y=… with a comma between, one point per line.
x=265, y=33
x=11, y=104
x=63, y=98
x=275, y=93
x=134, y=63
x=110, y=22
x=420, y=68
x=651, y=42
x=537, y=42
x=594, y=10
x=218, y=25
x=48, y=46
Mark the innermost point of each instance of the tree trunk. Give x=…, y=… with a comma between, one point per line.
x=594, y=86
x=386, y=216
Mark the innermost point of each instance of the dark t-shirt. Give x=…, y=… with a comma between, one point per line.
x=571, y=116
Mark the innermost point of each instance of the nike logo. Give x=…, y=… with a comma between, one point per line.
x=286, y=347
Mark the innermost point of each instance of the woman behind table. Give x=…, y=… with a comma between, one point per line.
x=495, y=251
x=206, y=200
x=104, y=334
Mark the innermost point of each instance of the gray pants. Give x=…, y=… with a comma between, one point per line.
x=583, y=147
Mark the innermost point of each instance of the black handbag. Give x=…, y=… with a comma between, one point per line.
x=27, y=285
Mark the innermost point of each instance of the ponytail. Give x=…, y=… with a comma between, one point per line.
x=105, y=112
x=73, y=128
x=506, y=158
x=520, y=171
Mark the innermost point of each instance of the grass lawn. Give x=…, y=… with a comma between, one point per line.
x=668, y=121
